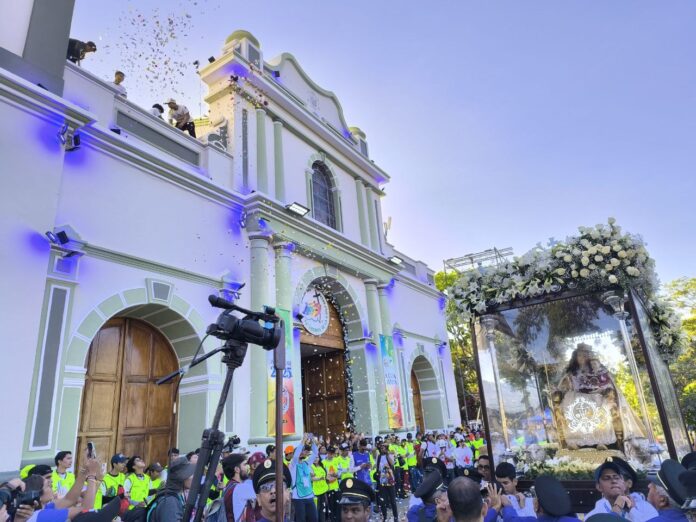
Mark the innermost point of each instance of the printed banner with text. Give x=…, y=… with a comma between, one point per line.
x=391, y=382
x=288, y=389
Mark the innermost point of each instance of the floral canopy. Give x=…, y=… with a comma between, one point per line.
x=599, y=258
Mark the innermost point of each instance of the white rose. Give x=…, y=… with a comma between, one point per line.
x=574, y=273
x=621, y=254
x=615, y=261
x=616, y=246
x=592, y=250
x=567, y=258
x=613, y=279
x=560, y=271
x=598, y=258
x=585, y=261
x=592, y=266
x=611, y=220
x=584, y=272
x=606, y=249
x=608, y=267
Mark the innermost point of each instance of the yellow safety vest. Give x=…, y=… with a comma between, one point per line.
x=401, y=452
x=331, y=466
x=344, y=463
x=108, y=488
x=140, y=488
x=61, y=485
x=411, y=461
x=319, y=486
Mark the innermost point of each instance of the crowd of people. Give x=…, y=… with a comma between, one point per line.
x=446, y=477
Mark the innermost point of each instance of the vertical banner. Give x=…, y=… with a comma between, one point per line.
x=391, y=382
x=288, y=401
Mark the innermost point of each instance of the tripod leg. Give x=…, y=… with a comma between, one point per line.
x=210, y=476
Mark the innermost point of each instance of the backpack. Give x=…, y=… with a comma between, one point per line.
x=216, y=511
x=142, y=514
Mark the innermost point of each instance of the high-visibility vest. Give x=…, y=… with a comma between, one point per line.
x=61, y=485
x=319, y=487
x=401, y=452
x=344, y=463
x=393, y=449
x=331, y=466
x=108, y=488
x=139, y=488
x=411, y=460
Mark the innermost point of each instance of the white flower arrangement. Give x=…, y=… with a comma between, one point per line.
x=599, y=258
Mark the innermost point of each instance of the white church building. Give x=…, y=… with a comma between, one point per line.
x=116, y=227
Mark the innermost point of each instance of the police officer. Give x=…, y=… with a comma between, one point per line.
x=667, y=494
x=265, y=489
x=552, y=503
x=356, y=498
x=433, y=485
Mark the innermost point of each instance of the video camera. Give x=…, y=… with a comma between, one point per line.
x=12, y=499
x=247, y=329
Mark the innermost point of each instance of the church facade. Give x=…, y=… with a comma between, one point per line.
x=121, y=226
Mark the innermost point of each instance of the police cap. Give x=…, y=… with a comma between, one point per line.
x=265, y=472
x=431, y=483
x=668, y=478
x=473, y=474
x=552, y=496
x=354, y=491
x=689, y=460
x=434, y=463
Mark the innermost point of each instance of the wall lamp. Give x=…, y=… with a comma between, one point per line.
x=396, y=260
x=68, y=138
x=57, y=238
x=297, y=209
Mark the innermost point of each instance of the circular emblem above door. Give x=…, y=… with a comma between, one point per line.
x=315, y=312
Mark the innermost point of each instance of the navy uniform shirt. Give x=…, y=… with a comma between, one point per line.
x=414, y=513
x=510, y=515
x=669, y=515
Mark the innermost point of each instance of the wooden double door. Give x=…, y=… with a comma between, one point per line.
x=123, y=410
x=325, y=403
x=417, y=402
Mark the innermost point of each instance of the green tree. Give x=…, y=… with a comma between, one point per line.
x=461, y=350
x=682, y=294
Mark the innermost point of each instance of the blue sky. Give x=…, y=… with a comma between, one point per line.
x=501, y=123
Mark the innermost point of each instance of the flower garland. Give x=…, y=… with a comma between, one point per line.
x=599, y=258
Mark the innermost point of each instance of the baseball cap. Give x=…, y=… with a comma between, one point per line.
x=155, y=466
x=256, y=458
x=170, y=100
x=608, y=464
x=119, y=458
x=289, y=449
x=344, y=446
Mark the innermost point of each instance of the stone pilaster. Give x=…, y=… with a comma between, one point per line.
x=261, y=161
x=278, y=159
x=362, y=218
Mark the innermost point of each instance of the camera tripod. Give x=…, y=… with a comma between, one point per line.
x=213, y=439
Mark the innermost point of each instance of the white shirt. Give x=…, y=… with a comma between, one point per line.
x=526, y=511
x=463, y=457
x=641, y=512
x=180, y=115
x=240, y=494
x=120, y=88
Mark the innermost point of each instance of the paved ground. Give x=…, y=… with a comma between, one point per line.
x=401, y=504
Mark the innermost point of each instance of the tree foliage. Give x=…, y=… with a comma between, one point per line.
x=461, y=350
x=682, y=293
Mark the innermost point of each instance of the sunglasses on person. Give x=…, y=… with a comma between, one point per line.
x=269, y=487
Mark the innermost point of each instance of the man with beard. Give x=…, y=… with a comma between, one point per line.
x=265, y=489
x=235, y=468
x=615, y=499
x=244, y=492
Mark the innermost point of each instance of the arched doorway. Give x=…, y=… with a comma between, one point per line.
x=123, y=410
x=322, y=348
x=429, y=395
x=417, y=403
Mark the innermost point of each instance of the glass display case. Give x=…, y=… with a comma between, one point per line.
x=573, y=379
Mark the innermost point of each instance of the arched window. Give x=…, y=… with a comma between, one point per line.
x=323, y=206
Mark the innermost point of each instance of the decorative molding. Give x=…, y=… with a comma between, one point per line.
x=146, y=264
x=75, y=369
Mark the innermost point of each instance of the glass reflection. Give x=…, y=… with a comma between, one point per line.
x=565, y=384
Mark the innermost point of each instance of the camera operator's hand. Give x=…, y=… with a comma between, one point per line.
x=94, y=468
x=16, y=483
x=24, y=513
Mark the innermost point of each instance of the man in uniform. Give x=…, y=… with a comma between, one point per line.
x=667, y=494
x=465, y=501
x=552, y=503
x=432, y=487
x=356, y=498
x=609, y=479
x=265, y=488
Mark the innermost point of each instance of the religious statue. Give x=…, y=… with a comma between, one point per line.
x=590, y=410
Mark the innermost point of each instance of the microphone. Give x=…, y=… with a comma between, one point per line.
x=219, y=302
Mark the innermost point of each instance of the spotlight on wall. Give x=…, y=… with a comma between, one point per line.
x=68, y=138
x=396, y=260
x=297, y=209
x=243, y=219
x=73, y=142
x=62, y=133
x=57, y=238
x=211, y=59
